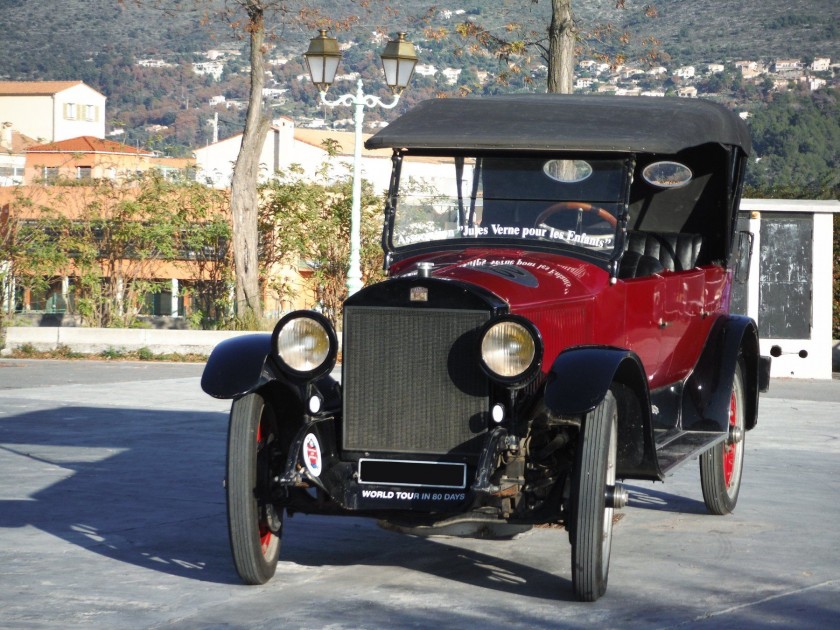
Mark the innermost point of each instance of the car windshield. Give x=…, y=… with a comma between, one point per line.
x=573, y=202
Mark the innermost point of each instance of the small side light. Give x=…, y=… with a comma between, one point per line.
x=497, y=413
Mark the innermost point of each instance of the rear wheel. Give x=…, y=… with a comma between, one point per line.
x=254, y=524
x=721, y=465
x=592, y=516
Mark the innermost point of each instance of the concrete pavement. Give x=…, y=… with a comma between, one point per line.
x=112, y=515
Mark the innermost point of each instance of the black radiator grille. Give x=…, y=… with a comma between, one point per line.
x=411, y=381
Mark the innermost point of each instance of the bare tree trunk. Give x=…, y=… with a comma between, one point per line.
x=561, y=48
x=243, y=189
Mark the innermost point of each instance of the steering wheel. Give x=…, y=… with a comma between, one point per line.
x=562, y=206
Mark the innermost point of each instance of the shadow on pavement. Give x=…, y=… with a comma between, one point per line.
x=649, y=499
x=144, y=487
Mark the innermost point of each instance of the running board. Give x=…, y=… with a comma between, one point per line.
x=676, y=448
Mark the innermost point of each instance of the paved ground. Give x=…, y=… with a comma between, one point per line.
x=112, y=515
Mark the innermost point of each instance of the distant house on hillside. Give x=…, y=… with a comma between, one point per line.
x=51, y=111
x=821, y=64
x=783, y=65
x=685, y=72
x=86, y=158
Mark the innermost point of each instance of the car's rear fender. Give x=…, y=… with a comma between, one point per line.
x=708, y=388
x=579, y=380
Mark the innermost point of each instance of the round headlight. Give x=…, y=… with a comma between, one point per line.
x=510, y=350
x=305, y=343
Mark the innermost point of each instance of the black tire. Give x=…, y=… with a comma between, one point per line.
x=592, y=520
x=721, y=465
x=254, y=525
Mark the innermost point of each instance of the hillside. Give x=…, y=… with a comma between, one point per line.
x=60, y=35
x=167, y=108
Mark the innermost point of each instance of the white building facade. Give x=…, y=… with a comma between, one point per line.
x=285, y=146
x=51, y=111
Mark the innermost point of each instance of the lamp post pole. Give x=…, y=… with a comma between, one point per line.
x=398, y=61
x=359, y=101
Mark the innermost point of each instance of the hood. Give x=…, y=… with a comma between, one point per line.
x=522, y=278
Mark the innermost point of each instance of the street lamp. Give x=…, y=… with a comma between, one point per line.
x=398, y=61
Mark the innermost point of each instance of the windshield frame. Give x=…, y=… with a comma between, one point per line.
x=607, y=260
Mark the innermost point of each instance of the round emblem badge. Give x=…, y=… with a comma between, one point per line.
x=312, y=454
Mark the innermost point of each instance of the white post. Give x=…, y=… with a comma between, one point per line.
x=359, y=101
x=7, y=286
x=173, y=300
x=354, y=273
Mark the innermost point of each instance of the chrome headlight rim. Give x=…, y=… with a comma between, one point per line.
x=326, y=365
x=530, y=371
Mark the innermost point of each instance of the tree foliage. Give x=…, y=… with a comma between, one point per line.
x=307, y=224
x=558, y=43
x=796, y=144
x=117, y=241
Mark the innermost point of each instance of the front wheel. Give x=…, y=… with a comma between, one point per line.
x=592, y=517
x=720, y=466
x=254, y=524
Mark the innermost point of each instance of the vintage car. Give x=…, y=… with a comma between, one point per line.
x=555, y=318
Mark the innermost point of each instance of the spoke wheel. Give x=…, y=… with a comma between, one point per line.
x=254, y=525
x=721, y=465
x=592, y=520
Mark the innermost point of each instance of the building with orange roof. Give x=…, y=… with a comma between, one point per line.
x=191, y=278
x=51, y=111
x=87, y=158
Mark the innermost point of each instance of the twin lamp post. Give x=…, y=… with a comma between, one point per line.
x=398, y=61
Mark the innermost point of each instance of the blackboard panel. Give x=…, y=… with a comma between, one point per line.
x=785, y=272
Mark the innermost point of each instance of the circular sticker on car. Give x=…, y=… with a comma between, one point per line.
x=312, y=454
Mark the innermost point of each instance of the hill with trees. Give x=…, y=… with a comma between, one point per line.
x=167, y=108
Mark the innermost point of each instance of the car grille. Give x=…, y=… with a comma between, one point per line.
x=411, y=381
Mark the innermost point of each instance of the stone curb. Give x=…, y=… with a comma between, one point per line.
x=97, y=340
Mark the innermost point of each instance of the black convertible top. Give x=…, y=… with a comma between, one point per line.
x=572, y=122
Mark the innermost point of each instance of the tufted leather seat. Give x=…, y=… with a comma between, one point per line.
x=675, y=251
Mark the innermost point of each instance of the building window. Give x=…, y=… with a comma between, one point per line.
x=84, y=172
x=11, y=171
x=91, y=113
x=70, y=111
x=50, y=174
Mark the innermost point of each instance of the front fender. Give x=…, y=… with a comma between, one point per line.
x=580, y=377
x=238, y=366
x=578, y=382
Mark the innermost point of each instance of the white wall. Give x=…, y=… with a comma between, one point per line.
x=30, y=115
x=79, y=111
x=281, y=150
x=45, y=117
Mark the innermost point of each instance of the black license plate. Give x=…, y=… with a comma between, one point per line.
x=410, y=473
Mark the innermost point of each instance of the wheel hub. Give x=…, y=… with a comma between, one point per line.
x=616, y=496
x=736, y=435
